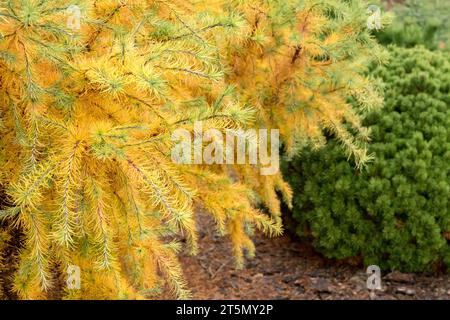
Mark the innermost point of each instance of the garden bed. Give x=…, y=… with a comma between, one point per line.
x=288, y=269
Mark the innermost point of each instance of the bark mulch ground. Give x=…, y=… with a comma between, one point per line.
x=288, y=269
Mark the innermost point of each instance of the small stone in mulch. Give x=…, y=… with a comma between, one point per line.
x=375, y=295
x=300, y=289
x=289, y=279
x=258, y=276
x=321, y=285
x=248, y=280
x=407, y=291
x=281, y=298
x=396, y=276
x=299, y=283
x=359, y=283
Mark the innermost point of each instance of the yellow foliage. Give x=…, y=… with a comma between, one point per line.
x=86, y=122
x=301, y=64
x=86, y=117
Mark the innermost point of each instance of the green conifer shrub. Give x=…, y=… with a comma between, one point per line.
x=419, y=22
x=395, y=212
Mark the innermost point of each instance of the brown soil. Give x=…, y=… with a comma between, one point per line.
x=287, y=269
